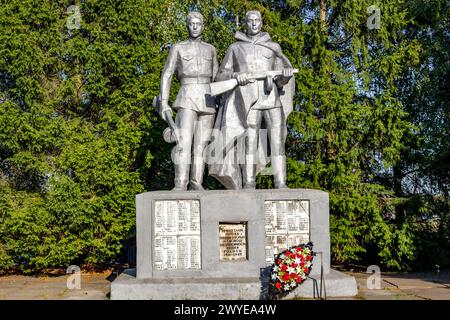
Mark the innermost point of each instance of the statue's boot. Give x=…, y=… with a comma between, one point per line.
x=197, y=169
x=279, y=171
x=249, y=172
x=181, y=177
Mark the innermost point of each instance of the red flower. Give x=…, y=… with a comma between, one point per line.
x=293, y=265
x=299, y=280
x=302, y=264
x=285, y=277
x=309, y=258
x=278, y=261
x=306, y=270
x=293, y=276
x=278, y=285
x=284, y=267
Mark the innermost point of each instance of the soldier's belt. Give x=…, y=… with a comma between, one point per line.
x=199, y=80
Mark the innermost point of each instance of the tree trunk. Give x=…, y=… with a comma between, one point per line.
x=323, y=12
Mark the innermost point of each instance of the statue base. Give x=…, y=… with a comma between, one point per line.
x=220, y=244
x=127, y=287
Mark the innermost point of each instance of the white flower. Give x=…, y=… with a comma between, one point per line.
x=282, y=256
x=286, y=286
x=275, y=269
x=297, y=260
x=274, y=276
x=290, y=270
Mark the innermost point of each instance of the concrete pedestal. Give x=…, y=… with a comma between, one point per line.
x=128, y=287
x=218, y=279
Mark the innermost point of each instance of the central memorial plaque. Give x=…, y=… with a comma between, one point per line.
x=177, y=234
x=233, y=241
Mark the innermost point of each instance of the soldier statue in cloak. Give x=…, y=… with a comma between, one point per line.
x=265, y=91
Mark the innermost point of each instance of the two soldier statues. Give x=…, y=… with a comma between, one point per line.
x=254, y=82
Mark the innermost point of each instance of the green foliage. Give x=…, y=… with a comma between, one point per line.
x=79, y=138
x=74, y=112
x=422, y=176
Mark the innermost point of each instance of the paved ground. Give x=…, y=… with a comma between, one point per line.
x=404, y=286
x=95, y=286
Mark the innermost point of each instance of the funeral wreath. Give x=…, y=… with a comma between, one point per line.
x=291, y=267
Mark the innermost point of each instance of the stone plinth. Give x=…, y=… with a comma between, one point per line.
x=179, y=245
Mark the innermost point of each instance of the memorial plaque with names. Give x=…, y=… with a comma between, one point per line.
x=233, y=241
x=286, y=225
x=177, y=234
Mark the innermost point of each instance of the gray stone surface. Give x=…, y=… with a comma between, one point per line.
x=336, y=284
x=228, y=279
x=128, y=287
x=230, y=206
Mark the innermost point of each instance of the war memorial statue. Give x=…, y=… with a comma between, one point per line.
x=265, y=91
x=224, y=244
x=195, y=63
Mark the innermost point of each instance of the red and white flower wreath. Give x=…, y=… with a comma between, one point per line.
x=291, y=267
